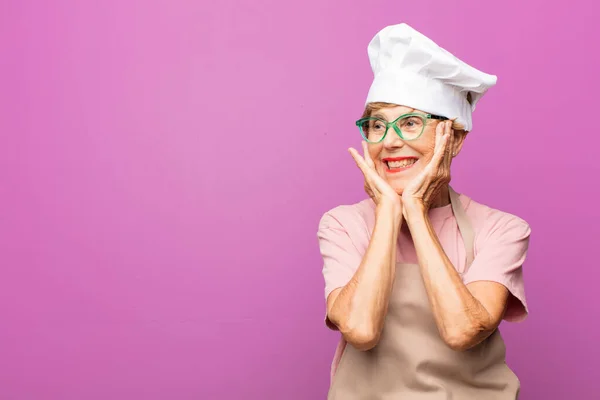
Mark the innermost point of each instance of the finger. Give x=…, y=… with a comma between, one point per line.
x=449, y=129
x=367, y=155
x=371, y=189
x=439, y=132
x=360, y=162
x=450, y=144
x=446, y=132
x=367, y=171
x=374, y=178
x=446, y=146
x=443, y=131
x=368, y=189
x=440, y=144
x=379, y=169
x=373, y=192
x=438, y=155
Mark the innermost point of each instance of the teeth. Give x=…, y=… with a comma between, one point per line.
x=401, y=164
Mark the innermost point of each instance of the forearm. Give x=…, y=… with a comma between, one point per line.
x=461, y=319
x=360, y=308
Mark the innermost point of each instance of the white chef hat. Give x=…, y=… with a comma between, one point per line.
x=411, y=70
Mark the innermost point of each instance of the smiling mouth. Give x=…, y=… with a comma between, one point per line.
x=397, y=165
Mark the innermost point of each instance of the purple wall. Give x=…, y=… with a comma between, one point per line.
x=164, y=164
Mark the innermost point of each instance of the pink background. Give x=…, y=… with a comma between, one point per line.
x=164, y=165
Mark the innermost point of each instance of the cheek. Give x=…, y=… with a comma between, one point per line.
x=375, y=151
x=426, y=147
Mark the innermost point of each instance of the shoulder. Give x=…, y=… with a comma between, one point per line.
x=489, y=222
x=501, y=247
x=354, y=220
x=348, y=215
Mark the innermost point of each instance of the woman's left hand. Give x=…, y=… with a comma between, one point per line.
x=426, y=186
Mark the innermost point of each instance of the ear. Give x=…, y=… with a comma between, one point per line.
x=457, y=143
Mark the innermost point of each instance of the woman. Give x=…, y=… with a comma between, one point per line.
x=418, y=277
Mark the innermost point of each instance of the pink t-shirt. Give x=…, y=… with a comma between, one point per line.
x=501, y=242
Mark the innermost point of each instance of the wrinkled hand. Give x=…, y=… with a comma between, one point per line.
x=375, y=186
x=426, y=186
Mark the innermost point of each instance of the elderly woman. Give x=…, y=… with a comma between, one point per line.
x=418, y=277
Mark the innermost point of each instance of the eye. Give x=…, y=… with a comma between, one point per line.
x=410, y=123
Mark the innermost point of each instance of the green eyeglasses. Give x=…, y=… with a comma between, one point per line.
x=407, y=126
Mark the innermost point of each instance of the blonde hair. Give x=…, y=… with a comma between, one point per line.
x=374, y=107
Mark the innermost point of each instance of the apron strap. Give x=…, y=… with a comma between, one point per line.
x=464, y=226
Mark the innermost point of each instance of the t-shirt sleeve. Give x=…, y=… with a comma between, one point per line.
x=501, y=251
x=341, y=257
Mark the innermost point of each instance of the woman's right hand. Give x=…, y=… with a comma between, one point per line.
x=375, y=186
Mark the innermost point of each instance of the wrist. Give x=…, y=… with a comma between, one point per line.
x=389, y=209
x=414, y=210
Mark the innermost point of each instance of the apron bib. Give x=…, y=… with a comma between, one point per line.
x=412, y=362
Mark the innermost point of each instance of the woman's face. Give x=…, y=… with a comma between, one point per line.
x=401, y=161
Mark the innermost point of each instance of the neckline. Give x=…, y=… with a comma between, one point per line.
x=440, y=213
x=434, y=214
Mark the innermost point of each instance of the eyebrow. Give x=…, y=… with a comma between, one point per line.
x=379, y=115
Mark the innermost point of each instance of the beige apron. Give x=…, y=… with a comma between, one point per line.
x=412, y=362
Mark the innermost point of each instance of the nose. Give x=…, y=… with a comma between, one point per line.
x=392, y=140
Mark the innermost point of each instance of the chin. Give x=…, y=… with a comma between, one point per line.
x=398, y=189
x=398, y=184
x=401, y=181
